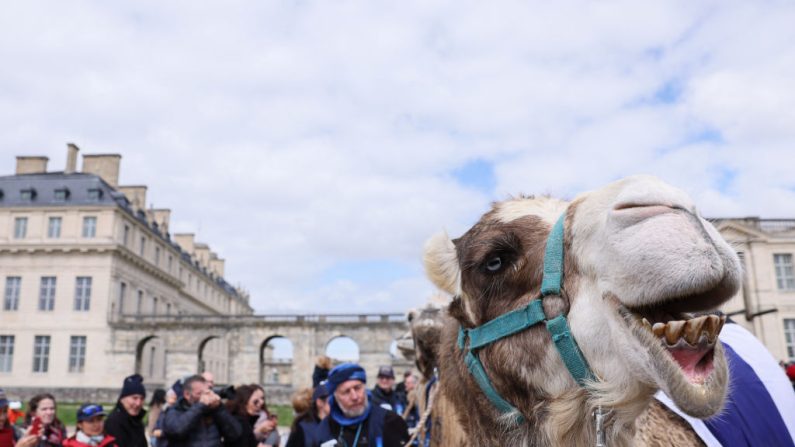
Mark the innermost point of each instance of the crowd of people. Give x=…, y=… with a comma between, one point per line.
x=339, y=410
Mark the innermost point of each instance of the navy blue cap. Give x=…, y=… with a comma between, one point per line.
x=88, y=411
x=321, y=391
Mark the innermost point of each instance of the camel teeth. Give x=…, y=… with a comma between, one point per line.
x=693, y=327
x=658, y=329
x=673, y=331
x=712, y=327
x=646, y=324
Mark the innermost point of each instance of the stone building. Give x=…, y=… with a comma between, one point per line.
x=78, y=252
x=766, y=303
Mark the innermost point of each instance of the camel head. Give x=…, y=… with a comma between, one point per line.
x=426, y=327
x=642, y=271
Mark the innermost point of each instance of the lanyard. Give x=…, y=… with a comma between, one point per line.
x=355, y=439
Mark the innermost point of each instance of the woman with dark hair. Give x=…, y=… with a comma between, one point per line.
x=259, y=427
x=42, y=422
x=304, y=428
x=155, y=408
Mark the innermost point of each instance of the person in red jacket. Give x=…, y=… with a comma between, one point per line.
x=91, y=428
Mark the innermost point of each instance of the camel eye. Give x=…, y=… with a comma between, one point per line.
x=494, y=264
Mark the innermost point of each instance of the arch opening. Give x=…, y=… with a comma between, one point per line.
x=213, y=357
x=342, y=349
x=150, y=360
x=276, y=362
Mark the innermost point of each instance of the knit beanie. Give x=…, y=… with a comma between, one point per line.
x=133, y=384
x=345, y=372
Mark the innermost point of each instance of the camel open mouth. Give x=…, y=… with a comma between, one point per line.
x=689, y=338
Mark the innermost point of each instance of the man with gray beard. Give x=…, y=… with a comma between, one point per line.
x=354, y=421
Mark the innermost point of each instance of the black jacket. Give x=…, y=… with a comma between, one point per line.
x=247, y=437
x=392, y=430
x=198, y=425
x=129, y=431
x=381, y=398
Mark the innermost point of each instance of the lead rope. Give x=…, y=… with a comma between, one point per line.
x=421, y=424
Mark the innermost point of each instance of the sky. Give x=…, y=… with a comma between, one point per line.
x=317, y=145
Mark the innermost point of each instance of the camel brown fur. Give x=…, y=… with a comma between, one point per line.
x=636, y=254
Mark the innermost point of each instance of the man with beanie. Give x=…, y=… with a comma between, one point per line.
x=125, y=423
x=354, y=421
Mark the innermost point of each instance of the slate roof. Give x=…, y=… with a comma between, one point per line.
x=78, y=185
x=45, y=185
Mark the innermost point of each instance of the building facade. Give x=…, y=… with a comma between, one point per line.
x=79, y=252
x=766, y=303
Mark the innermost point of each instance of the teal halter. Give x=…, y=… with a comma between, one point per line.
x=521, y=319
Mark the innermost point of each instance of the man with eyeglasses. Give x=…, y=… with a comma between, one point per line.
x=354, y=421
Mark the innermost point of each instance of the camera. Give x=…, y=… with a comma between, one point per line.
x=225, y=391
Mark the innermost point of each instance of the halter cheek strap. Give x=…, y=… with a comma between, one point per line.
x=521, y=319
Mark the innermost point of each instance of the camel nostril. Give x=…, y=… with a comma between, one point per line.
x=622, y=206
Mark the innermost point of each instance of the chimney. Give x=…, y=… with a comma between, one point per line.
x=31, y=164
x=161, y=217
x=217, y=264
x=203, y=254
x=104, y=165
x=185, y=240
x=135, y=194
x=71, y=158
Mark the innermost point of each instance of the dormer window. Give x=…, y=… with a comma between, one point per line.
x=28, y=194
x=61, y=194
x=95, y=194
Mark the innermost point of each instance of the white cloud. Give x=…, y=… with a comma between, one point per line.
x=296, y=137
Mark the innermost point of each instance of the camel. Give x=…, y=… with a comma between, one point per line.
x=422, y=346
x=640, y=270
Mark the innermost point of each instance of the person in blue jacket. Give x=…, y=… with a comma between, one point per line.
x=354, y=421
x=303, y=432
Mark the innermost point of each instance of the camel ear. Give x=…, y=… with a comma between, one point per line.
x=441, y=263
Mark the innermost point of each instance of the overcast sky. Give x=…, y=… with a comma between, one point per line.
x=317, y=145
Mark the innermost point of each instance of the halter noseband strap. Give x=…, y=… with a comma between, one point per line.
x=518, y=320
